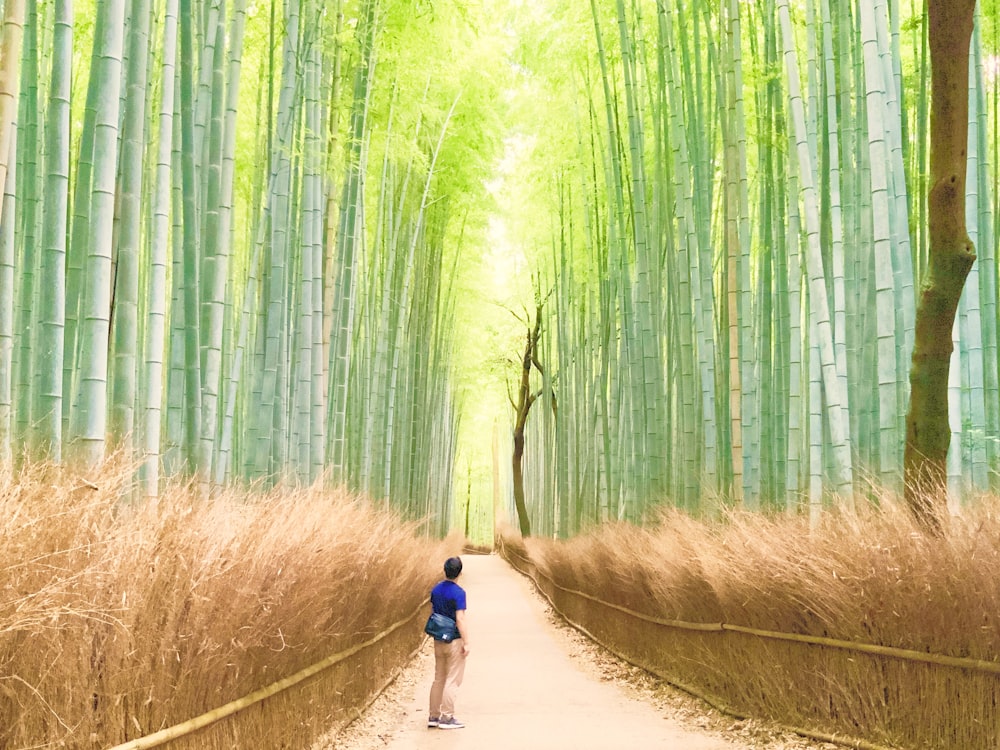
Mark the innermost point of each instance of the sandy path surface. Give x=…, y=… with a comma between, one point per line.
x=522, y=690
x=533, y=685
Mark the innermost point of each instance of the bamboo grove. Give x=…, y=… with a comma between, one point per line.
x=730, y=287
x=237, y=240
x=230, y=233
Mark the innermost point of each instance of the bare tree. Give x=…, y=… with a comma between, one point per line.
x=522, y=405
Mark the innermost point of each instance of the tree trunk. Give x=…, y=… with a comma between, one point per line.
x=10, y=61
x=88, y=420
x=7, y=255
x=47, y=356
x=350, y=245
x=125, y=321
x=190, y=252
x=951, y=255
x=525, y=398
x=522, y=510
x=157, y=287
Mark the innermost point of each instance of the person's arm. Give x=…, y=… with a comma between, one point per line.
x=462, y=630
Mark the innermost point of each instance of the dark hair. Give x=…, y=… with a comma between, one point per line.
x=452, y=567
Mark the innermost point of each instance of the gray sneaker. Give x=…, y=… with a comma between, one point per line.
x=432, y=722
x=450, y=723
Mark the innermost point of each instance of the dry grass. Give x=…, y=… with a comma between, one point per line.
x=118, y=620
x=870, y=577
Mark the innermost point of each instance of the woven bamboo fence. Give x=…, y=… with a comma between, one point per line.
x=853, y=694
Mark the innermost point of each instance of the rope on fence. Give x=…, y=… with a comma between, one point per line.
x=233, y=707
x=957, y=662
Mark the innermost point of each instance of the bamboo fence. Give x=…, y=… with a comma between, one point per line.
x=354, y=694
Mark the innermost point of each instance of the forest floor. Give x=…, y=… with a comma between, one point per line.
x=534, y=683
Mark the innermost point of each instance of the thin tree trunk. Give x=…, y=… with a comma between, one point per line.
x=213, y=256
x=173, y=460
x=888, y=343
x=29, y=192
x=988, y=268
x=525, y=399
x=10, y=60
x=7, y=303
x=330, y=219
x=159, y=254
x=190, y=243
x=350, y=245
x=818, y=298
x=125, y=324
x=221, y=229
x=270, y=450
x=79, y=233
x=972, y=416
x=48, y=355
x=88, y=420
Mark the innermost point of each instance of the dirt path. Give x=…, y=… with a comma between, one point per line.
x=529, y=686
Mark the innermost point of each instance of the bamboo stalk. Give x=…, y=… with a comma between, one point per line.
x=10, y=57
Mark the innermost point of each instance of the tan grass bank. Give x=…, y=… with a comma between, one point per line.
x=117, y=620
x=865, y=631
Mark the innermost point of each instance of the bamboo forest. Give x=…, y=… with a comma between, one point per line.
x=250, y=241
x=667, y=330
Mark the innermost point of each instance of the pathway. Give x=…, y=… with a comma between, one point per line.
x=522, y=690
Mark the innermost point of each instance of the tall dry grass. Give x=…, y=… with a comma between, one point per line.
x=118, y=620
x=870, y=576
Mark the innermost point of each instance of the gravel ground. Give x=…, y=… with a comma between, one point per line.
x=376, y=728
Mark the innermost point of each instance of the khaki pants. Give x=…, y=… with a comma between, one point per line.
x=449, y=667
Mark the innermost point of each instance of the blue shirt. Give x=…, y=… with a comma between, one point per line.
x=447, y=598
